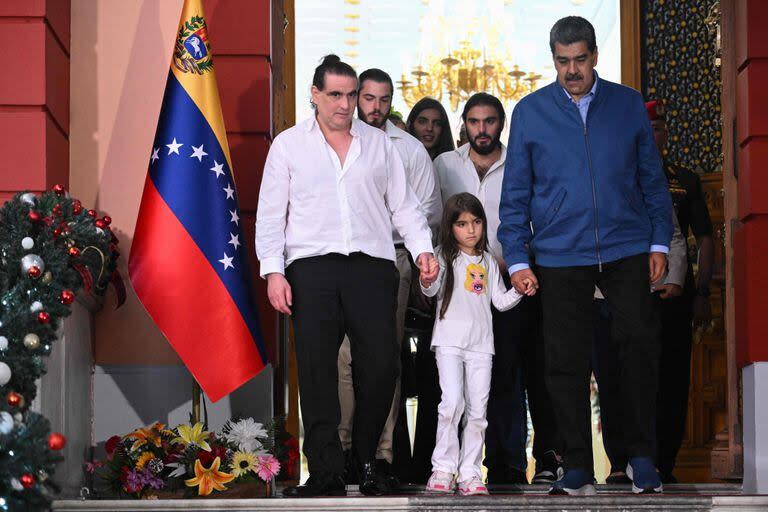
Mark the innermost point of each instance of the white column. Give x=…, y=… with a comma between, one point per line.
x=755, y=381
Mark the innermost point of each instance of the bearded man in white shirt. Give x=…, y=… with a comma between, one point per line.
x=332, y=189
x=374, y=101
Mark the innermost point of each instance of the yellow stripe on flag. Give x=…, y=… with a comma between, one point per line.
x=192, y=64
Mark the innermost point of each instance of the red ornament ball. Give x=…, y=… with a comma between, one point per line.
x=59, y=189
x=57, y=232
x=35, y=216
x=92, y=213
x=107, y=220
x=66, y=297
x=74, y=252
x=77, y=207
x=56, y=441
x=43, y=317
x=100, y=223
x=57, y=209
x=34, y=272
x=14, y=399
x=27, y=480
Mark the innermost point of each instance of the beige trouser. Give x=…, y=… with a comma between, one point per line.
x=346, y=392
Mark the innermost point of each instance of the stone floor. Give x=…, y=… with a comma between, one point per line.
x=682, y=497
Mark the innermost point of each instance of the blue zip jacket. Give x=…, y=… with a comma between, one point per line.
x=591, y=192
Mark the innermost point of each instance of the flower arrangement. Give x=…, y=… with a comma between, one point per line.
x=156, y=460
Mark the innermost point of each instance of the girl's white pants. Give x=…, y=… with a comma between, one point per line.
x=465, y=381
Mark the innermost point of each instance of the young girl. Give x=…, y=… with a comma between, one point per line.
x=468, y=283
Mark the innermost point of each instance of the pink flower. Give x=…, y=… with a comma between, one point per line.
x=90, y=467
x=269, y=467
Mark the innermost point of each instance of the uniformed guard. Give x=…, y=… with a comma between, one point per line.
x=681, y=308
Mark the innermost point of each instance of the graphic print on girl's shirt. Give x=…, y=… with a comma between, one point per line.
x=477, y=279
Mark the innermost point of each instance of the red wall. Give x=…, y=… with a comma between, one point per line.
x=751, y=240
x=241, y=43
x=34, y=95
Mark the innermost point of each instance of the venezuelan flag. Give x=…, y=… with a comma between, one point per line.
x=187, y=263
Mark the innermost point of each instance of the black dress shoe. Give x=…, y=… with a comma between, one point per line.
x=332, y=485
x=351, y=471
x=506, y=476
x=372, y=483
x=385, y=470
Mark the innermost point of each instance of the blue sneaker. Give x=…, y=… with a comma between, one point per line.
x=575, y=482
x=645, y=479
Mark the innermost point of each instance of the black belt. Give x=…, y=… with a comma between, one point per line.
x=399, y=246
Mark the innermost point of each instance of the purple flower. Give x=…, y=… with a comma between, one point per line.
x=134, y=481
x=137, y=480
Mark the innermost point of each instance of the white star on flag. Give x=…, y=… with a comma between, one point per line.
x=155, y=155
x=198, y=153
x=173, y=147
x=227, y=262
x=230, y=192
x=217, y=168
x=234, y=218
x=234, y=240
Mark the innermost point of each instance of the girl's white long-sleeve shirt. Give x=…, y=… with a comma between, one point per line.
x=467, y=323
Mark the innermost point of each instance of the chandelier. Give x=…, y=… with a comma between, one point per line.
x=462, y=73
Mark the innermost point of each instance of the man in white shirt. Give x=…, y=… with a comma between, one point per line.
x=374, y=101
x=332, y=189
x=478, y=168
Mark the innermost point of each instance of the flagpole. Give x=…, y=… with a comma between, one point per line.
x=195, y=401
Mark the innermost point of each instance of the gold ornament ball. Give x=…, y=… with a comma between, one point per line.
x=31, y=341
x=47, y=277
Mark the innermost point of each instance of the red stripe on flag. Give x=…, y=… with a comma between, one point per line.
x=188, y=302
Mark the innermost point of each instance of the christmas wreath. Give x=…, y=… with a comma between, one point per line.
x=51, y=248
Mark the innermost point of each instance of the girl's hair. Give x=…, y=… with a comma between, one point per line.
x=454, y=207
x=333, y=65
x=445, y=142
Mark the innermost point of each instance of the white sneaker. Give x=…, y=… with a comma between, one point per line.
x=441, y=482
x=472, y=487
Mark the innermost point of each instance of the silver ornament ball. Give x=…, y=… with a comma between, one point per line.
x=36, y=306
x=31, y=341
x=3, y=343
x=5, y=373
x=27, y=242
x=32, y=260
x=6, y=423
x=28, y=198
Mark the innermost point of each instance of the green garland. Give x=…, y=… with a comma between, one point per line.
x=50, y=248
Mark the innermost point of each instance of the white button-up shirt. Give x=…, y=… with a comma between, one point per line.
x=420, y=174
x=310, y=204
x=456, y=173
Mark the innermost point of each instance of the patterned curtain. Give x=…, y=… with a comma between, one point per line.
x=678, y=68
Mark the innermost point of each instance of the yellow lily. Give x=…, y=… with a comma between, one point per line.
x=209, y=479
x=193, y=435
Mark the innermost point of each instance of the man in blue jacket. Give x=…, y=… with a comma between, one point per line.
x=585, y=190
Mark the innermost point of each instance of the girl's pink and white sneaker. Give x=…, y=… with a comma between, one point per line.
x=441, y=482
x=472, y=487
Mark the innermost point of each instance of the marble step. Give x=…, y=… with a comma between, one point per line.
x=688, y=498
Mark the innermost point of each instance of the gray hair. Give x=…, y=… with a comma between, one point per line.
x=572, y=29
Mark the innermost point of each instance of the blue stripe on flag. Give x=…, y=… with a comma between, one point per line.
x=201, y=198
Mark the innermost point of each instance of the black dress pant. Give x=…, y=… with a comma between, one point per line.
x=546, y=436
x=507, y=431
x=567, y=299
x=333, y=295
x=674, y=381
